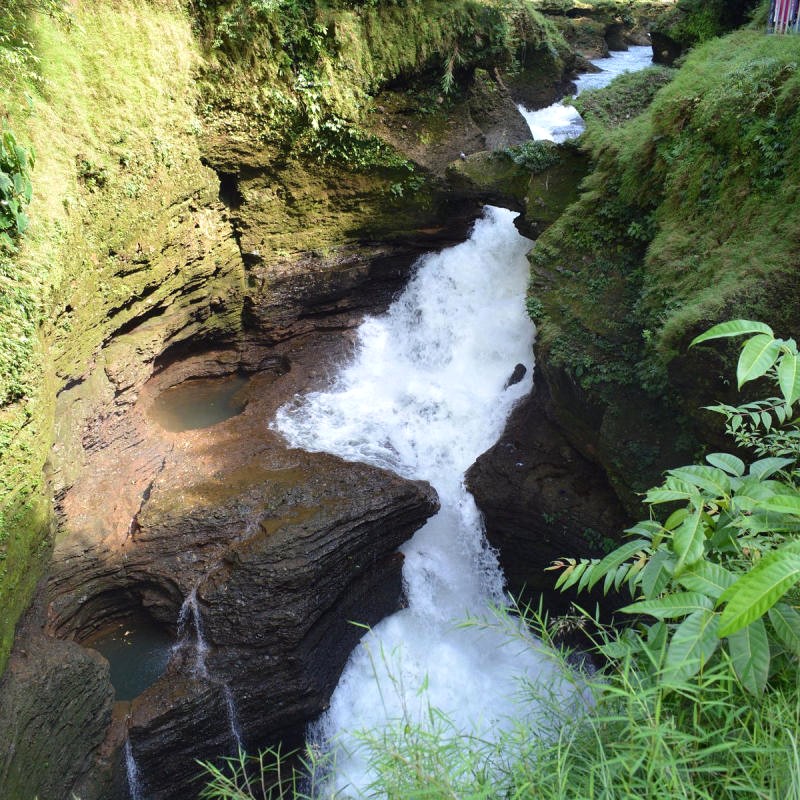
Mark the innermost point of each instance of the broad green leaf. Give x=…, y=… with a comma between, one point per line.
x=757, y=356
x=656, y=645
x=615, y=558
x=735, y=327
x=622, y=573
x=782, y=503
x=675, y=518
x=688, y=541
x=672, y=606
x=749, y=649
x=656, y=575
x=655, y=496
x=789, y=377
x=731, y=464
x=707, y=577
x=572, y=573
x=647, y=528
x=769, y=466
x=768, y=522
x=709, y=478
x=615, y=649
x=693, y=643
x=786, y=622
x=758, y=590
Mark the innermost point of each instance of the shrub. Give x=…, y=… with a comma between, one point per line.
x=15, y=189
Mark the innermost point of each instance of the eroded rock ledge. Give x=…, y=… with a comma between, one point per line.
x=283, y=548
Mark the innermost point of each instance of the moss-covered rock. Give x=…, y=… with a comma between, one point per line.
x=692, y=22
x=685, y=221
x=540, y=179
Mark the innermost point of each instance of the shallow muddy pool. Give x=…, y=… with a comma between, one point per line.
x=200, y=403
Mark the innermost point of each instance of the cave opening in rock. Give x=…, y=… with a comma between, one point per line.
x=137, y=651
x=200, y=402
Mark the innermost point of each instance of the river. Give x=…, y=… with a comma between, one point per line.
x=425, y=394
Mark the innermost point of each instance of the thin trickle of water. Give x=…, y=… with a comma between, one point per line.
x=132, y=772
x=190, y=633
x=560, y=122
x=426, y=394
x=233, y=717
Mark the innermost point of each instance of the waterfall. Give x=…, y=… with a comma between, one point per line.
x=190, y=614
x=190, y=634
x=132, y=772
x=560, y=121
x=233, y=717
x=425, y=395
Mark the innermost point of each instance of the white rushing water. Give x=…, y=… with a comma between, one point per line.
x=132, y=772
x=560, y=121
x=424, y=396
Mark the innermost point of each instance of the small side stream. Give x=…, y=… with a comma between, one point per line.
x=561, y=121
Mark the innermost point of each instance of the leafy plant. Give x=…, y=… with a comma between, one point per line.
x=536, y=156
x=15, y=189
x=715, y=574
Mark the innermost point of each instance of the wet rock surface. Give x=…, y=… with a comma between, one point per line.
x=541, y=499
x=283, y=549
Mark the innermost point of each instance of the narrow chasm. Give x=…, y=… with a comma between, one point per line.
x=284, y=325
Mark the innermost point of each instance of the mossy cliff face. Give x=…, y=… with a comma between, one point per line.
x=201, y=212
x=686, y=220
x=127, y=235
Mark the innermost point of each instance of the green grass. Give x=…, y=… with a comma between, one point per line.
x=107, y=100
x=706, y=738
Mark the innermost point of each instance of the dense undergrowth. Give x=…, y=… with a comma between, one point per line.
x=318, y=64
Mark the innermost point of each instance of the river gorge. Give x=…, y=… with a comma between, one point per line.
x=287, y=392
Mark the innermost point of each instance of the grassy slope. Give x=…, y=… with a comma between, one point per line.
x=115, y=101
x=688, y=218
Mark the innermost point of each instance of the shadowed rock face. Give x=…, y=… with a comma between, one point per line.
x=541, y=499
x=284, y=549
x=55, y=706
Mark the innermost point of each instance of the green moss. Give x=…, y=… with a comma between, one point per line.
x=268, y=80
x=689, y=218
x=627, y=97
x=110, y=112
x=693, y=22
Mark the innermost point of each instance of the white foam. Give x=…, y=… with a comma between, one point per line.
x=560, y=121
x=425, y=395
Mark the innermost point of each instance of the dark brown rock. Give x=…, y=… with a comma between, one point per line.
x=541, y=499
x=55, y=706
x=284, y=549
x=665, y=49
